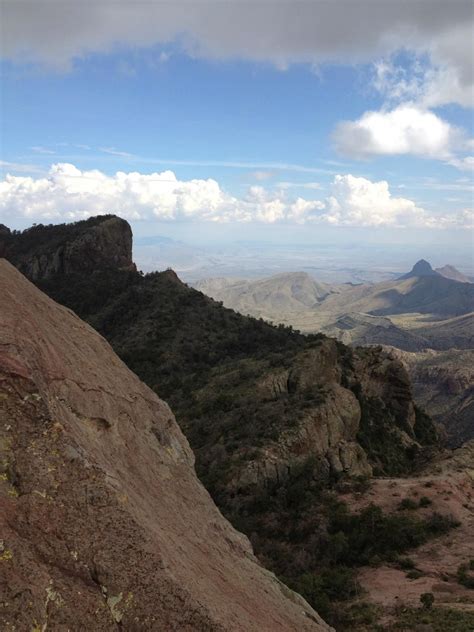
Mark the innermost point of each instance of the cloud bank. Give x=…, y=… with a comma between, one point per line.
x=68, y=193
x=280, y=32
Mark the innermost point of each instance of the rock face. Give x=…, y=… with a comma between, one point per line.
x=443, y=384
x=104, y=524
x=44, y=251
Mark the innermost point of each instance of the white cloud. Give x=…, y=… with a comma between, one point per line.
x=464, y=164
x=430, y=81
x=280, y=32
x=406, y=129
x=360, y=202
x=68, y=193
x=38, y=149
x=114, y=152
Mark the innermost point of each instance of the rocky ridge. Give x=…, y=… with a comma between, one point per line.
x=44, y=251
x=103, y=520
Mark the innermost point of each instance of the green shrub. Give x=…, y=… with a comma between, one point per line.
x=425, y=502
x=463, y=575
x=427, y=600
x=408, y=503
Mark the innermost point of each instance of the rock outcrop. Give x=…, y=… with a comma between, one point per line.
x=44, y=251
x=104, y=524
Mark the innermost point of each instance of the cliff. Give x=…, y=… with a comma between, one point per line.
x=104, y=524
x=41, y=252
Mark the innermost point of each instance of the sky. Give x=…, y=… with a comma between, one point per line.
x=251, y=120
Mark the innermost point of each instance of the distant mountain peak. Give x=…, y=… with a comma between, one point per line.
x=450, y=272
x=422, y=268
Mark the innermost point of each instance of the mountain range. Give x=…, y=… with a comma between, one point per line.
x=421, y=310
x=289, y=432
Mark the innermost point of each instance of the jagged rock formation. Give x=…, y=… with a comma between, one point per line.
x=104, y=524
x=44, y=251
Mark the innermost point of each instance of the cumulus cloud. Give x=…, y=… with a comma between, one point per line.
x=360, y=202
x=406, y=129
x=280, y=32
x=68, y=193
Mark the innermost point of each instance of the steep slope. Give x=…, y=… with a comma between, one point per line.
x=43, y=251
x=104, y=524
x=443, y=384
x=277, y=294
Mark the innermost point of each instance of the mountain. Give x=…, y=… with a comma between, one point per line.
x=450, y=272
x=44, y=251
x=365, y=329
x=282, y=292
x=297, y=299
x=421, y=269
x=277, y=421
x=449, y=333
x=427, y=294
x=102, y=517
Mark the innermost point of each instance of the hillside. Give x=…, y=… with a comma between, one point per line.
x=96, y=518
x=280, y=293
x=298, y=300
x=277, y=420
x=365, y=329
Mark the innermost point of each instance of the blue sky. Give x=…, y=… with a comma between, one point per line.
x=265, y=128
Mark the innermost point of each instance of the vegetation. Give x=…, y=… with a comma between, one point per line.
x=433, y=619
x=427, y=600
x=231, y=382
x=465, y=574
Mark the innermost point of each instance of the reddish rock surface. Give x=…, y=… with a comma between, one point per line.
x=447, y=486
x=103, y=522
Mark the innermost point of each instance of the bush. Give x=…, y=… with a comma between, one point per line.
x=463, y=575
x=427, y=600
x=408, y=503
x=425, y=502
x=406, y=563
